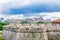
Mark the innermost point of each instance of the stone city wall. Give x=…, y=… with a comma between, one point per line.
x=24, y=33
x=28, y=32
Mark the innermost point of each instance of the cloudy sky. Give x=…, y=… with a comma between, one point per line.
x=49, y=9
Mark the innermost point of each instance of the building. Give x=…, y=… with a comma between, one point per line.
x=35, y=19
x=56, y=21
x=48, y=20
x=14, y=20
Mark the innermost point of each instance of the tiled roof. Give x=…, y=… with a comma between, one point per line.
x=57, y=20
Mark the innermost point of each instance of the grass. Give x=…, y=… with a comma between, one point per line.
x=1, y=36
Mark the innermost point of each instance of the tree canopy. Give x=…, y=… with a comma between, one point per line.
x=40, y=22
x=24, y=22
x=2, y=24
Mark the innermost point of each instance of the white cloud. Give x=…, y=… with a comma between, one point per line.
x=46, y=15
x=6, y=4
x=51, y=15
x=20, y=16
x=14, y=3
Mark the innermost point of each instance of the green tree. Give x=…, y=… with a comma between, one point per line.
x=2, y=24
x=40, y=22
x=1, y=27
x=24, y=22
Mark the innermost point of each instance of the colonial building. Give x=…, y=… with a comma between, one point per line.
x=55, y=22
